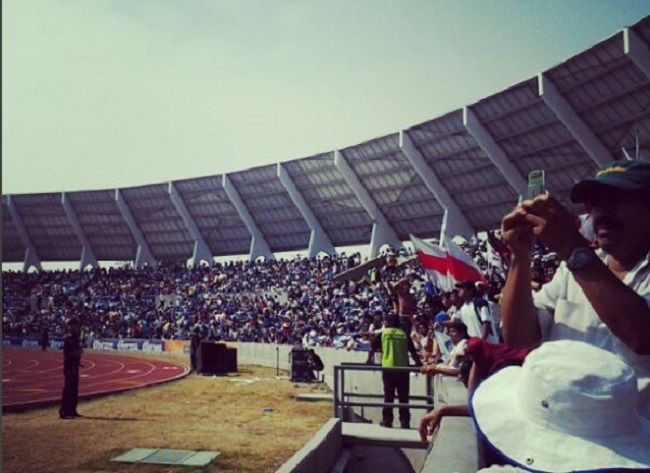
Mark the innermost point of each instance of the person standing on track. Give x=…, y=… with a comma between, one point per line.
x=45, y=337
x=71, y=361
x=195, y=343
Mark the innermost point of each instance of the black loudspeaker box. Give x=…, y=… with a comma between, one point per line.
x=211, y=358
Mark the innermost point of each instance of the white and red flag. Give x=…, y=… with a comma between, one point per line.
x=446, y=266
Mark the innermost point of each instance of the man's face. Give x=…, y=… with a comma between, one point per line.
x=455, y=335
x=464, y=294
x=619, y=219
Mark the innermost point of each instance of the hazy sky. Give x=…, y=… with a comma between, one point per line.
x=104, y=94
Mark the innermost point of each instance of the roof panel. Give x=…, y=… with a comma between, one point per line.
x=159, y=221
x=13, y=248
x=103, y=224
x=48, y=227
x=331, y=199
x=272, y=209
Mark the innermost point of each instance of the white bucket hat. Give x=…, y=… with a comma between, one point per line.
x=570, y=407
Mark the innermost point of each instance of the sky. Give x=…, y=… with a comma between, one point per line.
x=120, y=93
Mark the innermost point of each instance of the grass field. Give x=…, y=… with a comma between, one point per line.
x=224, y=414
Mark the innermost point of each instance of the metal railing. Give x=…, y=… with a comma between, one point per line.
x=342, y=397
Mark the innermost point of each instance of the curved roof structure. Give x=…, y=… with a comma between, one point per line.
x=469, y=165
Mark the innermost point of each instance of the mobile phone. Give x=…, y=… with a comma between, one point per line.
x=536, y=183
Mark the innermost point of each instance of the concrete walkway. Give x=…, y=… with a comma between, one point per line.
x=368, y=459
x=375, y=435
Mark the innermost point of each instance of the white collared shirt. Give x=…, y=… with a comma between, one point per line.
x=565, y=313
x=467, y=314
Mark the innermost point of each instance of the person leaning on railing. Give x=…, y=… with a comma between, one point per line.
x=484, y=359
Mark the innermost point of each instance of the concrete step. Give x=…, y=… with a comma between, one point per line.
x=373, y=434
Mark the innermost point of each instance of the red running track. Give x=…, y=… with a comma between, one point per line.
x=34, y=378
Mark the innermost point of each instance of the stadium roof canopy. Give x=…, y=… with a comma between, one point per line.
x=470, y=165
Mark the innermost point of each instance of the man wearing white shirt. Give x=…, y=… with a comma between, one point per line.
x=474, y=313
x=602, y=296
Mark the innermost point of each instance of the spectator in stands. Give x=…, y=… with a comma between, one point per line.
x=406, y=304
x=443, y=315
x=485, y=359
x=576, y=411
x=406, y=307
x=454, y=302
x=393, y=344
x=598, y=296
x=71, y=363
x=475, y=313
x=458, y=335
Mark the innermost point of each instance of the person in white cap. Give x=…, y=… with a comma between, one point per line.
x=571, y=407
x=602, y=296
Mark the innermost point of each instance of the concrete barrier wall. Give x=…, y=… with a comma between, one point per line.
x=319, y=454
x=455, y=447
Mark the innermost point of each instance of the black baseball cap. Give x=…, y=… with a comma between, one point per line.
x=623, y=175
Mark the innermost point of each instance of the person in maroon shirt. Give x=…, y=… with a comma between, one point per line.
x=486, y=359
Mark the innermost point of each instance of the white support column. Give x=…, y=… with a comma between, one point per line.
x=143, y=255
x=201, y=249
x=31, y=257
x=259, y=246
x=570, y=119
x=382, y=232
x=637, y=50
x=494, y=151
x=318, y=240
x=459, y=223
x=87, y=254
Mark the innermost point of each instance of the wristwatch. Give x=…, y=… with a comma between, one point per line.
x=581, y=258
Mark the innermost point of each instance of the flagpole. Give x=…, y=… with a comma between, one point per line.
x=443, y=228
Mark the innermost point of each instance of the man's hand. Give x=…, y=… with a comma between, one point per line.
x=554, y=225
x=543, y=218
x=429, y=369
x=429, y=424
x=517, y=233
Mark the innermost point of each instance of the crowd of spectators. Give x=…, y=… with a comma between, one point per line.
x=273, y=301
